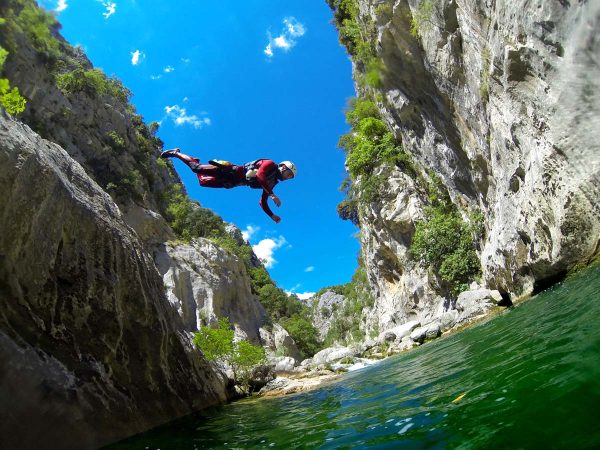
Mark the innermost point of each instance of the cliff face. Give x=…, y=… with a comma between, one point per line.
x=500, y=99
x=205, y=282
x=90, y=349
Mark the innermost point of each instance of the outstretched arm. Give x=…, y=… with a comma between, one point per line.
x=264, y=204
x=261, y=176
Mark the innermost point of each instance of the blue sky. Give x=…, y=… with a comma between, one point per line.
x=240, y=80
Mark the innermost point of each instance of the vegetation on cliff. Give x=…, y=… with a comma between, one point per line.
x=217, y=345
x=447, y=243
x=443, y=241
x=10, y=99
x=286, y=309
x=345, y=320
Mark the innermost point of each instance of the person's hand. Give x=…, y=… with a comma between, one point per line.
x=276, y=218
x=276, y=200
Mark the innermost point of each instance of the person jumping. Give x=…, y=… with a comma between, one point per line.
x=259, y=174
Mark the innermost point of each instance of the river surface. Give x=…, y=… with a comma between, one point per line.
x=528, y=378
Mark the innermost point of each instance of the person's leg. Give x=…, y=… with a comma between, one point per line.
x=211, y=182
x=192, y=163
x=176, y=153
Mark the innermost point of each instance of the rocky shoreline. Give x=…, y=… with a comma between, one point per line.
x=472, y=306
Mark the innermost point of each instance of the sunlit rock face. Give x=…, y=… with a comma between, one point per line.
x=324, y=309
x=91, y=350
x=501, y=100
x=205, y=282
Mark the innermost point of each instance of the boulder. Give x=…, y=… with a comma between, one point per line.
x=406, y=344
x=397, y=333
x=305, y=364
x=386, y=336
x=433, y=330
x=266, y=338
x=284, y=343
x=418, y=334
x=471, y=304
x=282, y=363
x=448, y=319
x=332, y=354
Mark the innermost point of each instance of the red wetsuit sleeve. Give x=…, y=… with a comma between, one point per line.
x=264, y=203
x=261, y=175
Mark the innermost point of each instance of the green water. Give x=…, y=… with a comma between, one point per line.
x=531, y=379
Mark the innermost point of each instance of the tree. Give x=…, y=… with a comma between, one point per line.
x=245, y=358
x=215, y=343
x=304, y=334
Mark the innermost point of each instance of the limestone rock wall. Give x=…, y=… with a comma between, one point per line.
x=501, y=100
x=324, y=308
x=90, y=349
x=205, y=282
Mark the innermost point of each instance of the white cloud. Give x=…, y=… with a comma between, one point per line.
x=310, y=269
x=180, y=116
x=249, y=232
x=300, y=295
x=137, y=57
x=186, y=60
x=155, y=77
x=265, y=250
x=168, y=69
x=269, y=50
x=292, y=30
x=111, y=8
x=282, y=42
x=61, y=6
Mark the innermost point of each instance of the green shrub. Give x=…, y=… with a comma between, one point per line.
x=3, y=55
x=37, y=25
x=359, y=109
x=132, y=185
x=245, y=358
x=421, y=20
x=215, y=343
x=304, y=333
x=275, y=301
x=345, y=14
x=117, y=140
x=10, y=99
x=93, y=82
x=374, y=73
x=260, y=277
x=188, y=220
x=446, y=243
x=347, y=209
x=243, y=252
x=384, y=10
x=368, y=145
